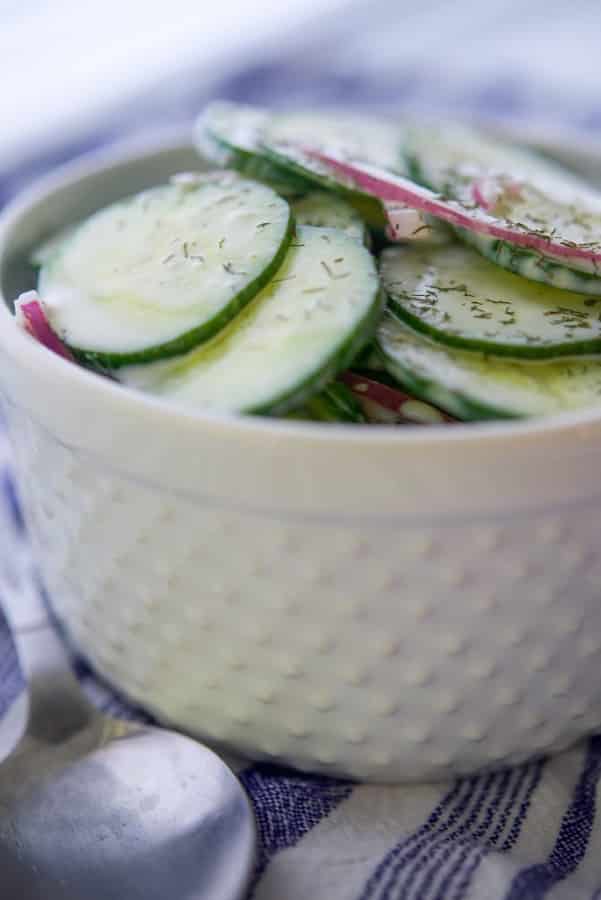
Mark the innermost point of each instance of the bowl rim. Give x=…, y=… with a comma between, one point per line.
x=24, y=349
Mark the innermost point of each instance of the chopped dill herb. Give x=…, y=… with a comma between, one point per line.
x=229, y=268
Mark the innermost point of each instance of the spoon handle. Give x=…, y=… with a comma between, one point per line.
x=57, y=705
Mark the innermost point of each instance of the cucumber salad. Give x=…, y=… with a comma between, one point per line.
x=338, y=268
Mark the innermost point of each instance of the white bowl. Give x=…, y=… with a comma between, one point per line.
x=381, y=603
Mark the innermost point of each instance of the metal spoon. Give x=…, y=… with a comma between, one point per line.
x=92, y=808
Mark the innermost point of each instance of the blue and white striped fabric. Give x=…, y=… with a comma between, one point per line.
x=522, y=834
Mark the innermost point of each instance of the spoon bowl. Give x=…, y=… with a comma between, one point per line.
x=95, y=807
x=122, y=812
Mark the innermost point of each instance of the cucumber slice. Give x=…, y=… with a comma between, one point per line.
x=472, y=386
x=247, y=138
x=325, y=210
x=534, y=198
x=364, y=137
x=226, y=127
x=306, y=325
x=451, y=152
x=228, y=134
x=361, y=136
x=336, y=403
x=458, y=298
x=161, y=272
x=293, y=158
x=531, y=265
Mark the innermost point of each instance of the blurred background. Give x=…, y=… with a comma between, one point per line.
x=76, y=75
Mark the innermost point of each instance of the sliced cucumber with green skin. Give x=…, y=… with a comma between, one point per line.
x=224, y=128
x=474, y=387
x=159, y=273
x=535, y=199
x=530, y=264
x=371, y=138
x=231, y=134
x=308, y=324
x=458, y=298
x=297, y=162
x=326, y=210
x=437, y=153
x=247, y=138
x=336, y=403
x=228, y=134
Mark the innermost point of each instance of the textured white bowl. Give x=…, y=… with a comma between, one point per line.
x=382, y=603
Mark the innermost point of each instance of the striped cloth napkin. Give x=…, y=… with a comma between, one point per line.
x=519, y=834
